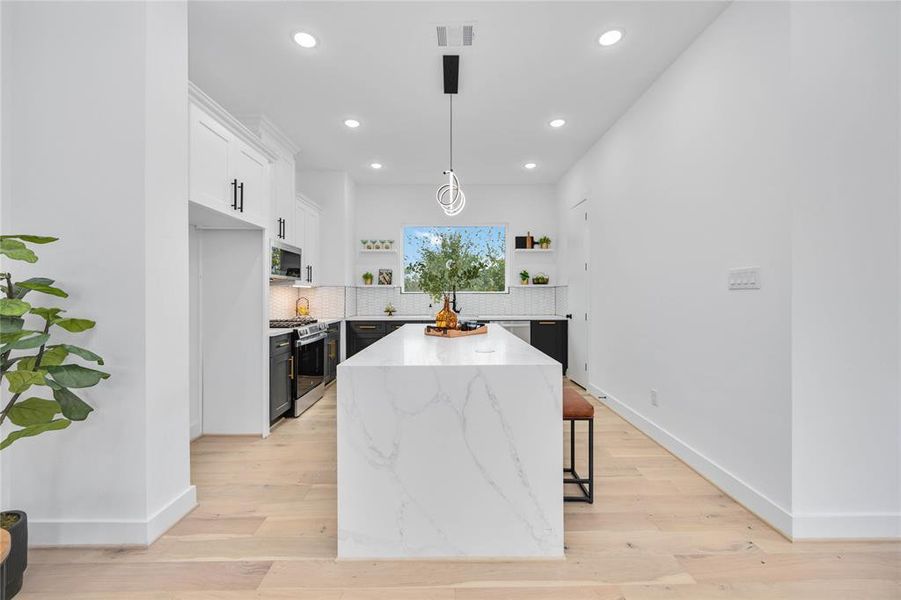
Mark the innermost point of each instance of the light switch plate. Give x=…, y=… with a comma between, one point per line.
x=746, y=278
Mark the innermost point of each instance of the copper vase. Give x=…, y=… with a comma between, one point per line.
x=446, y=318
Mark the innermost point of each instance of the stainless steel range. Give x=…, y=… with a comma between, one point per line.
x=309, y=360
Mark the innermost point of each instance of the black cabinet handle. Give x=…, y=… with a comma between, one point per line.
x=234, y=194
x=569, y=316
x=241, y=187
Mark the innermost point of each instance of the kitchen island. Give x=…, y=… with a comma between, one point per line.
x=450, y=448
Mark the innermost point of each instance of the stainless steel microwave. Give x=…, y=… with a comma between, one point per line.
x=286, y=262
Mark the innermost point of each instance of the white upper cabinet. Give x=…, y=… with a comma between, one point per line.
x=308, y=242
x=283, y=216
x=311, y=233
x=210, y=150
x=251, y=178
x=229, y=170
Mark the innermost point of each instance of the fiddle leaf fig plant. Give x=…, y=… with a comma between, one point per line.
x=31, y=363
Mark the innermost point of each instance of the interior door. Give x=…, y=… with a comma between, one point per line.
x=578, y=292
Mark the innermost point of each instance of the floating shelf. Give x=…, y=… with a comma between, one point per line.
x=379, y=251
x=536, y=285
x=536, y=250
x=374, y=286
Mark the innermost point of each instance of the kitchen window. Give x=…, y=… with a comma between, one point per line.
x=486, y=243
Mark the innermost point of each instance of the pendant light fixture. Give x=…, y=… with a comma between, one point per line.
x=450, y=196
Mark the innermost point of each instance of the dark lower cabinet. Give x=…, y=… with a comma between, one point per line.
x=281, y=375
x=361, y=334
x=550, y=338
x=332, y=352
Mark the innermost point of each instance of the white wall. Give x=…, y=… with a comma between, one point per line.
x=195, y=358
x=235, y=309
x=333, y=192
x=845, y=302
x=382, y=210
x=773, y=142
x=689, y=183
x=95, y=146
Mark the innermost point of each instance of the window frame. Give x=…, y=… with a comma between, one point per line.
x=507, y=254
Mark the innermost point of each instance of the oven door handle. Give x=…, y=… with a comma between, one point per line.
x=309, y=340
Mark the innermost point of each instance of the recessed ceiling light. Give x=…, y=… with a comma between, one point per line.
x=557, y=123
x=611, y=37
x=304, y=39
x=376, y=165
x=530, y=165
x=352, y=123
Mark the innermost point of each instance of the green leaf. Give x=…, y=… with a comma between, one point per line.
x=54, y=356
x=35, y=341
x=33, y=411
x=33, y=430
x=43, y=288
x=11, y=324
x=11, y=336
x=19, y=381
x=82, y=352
x=16, y=250
x=11, y=307
x=33, y=239
x=72, y=406
x=76, y=376
x=21, y=291
x=75, y=325
x=48, y=314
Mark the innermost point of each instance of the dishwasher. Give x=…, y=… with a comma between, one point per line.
x=521, y=329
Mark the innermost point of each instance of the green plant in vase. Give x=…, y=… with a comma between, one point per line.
x=452, y=263
x=39, y=372
x=524, y=277
x=544, y=242
x=367, y=278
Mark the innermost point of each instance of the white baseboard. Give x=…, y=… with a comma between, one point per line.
x=742, y=492
x=847, y=526
x=98, y=532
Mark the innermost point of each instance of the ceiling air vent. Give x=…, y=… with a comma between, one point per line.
x=454, y=36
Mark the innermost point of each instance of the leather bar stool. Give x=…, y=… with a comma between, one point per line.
x=577, y=408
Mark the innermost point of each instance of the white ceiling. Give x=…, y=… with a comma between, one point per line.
x=379, y=62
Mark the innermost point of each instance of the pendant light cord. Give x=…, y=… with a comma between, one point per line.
x=451, y=131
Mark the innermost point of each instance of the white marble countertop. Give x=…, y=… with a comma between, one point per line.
x=409, y=346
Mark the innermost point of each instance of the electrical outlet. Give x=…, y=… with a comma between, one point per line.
x=747, y=278
x=654, y=397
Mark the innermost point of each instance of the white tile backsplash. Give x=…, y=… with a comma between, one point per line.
x=337, y=302
x=519, y=301
x=325, y=302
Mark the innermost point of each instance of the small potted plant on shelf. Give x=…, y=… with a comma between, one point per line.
x=390, y=310
x=30, y=362
x=367, y=278
x=524, y=277
x=540, y=279
x=545, y=242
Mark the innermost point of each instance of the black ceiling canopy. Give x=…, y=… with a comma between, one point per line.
x=451, y=73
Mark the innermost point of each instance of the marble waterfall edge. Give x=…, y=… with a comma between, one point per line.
x=450, y=451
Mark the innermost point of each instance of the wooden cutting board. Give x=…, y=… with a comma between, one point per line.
x=453, y=333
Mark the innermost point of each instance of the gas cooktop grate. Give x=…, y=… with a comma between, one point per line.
x=298, y=322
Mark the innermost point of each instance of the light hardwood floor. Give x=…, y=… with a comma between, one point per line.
x=265, y=528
